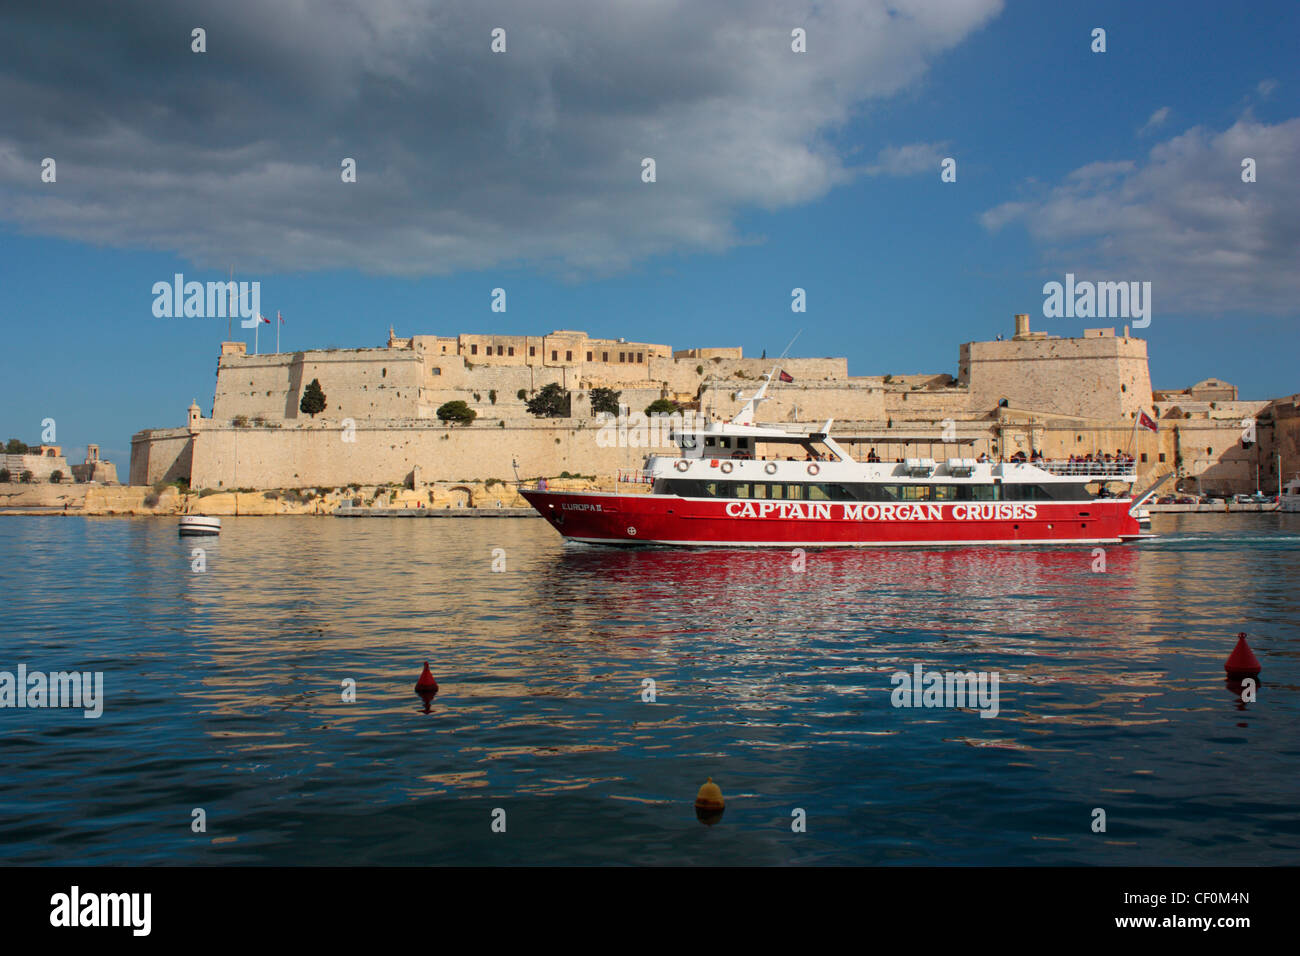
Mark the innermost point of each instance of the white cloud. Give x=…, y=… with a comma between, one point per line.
x=908, y=160
x=466, y=159
x=1156, y=119
x=1182, y=219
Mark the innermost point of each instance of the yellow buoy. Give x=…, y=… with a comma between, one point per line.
x=709, y=803
x=709, y=797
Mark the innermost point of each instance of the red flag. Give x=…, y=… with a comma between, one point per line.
x=279, y=316
x=786, y=376
x=1146, y=421
x=265, y=319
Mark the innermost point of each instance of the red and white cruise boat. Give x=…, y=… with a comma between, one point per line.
x=721, y=492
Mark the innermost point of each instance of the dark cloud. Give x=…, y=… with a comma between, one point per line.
x=466, y=158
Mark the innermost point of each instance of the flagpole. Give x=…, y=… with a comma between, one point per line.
x=256, y=329
x=278, y=323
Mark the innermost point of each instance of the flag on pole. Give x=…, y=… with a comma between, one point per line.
x=264, y=318
x=279, y=316
x=785, y=376
x=1146, y=421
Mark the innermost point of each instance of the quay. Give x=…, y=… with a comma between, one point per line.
x=354, y=512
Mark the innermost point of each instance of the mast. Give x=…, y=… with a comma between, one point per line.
x=746, y=414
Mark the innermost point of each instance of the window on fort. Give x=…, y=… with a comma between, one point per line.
x=568, y=356
x=385, y=373
x=1123, y=388
x=1144, y=457
x=604, y=356
x=554, y=355
x=640, y=356
x=1162, y=456
x=512, y=350
x=473, y=350
x=1209, y=451
x=621, y=357
x=588, y=356
x=532, y=351
x=436, y=371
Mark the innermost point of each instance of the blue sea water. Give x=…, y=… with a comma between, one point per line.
x=225, y=691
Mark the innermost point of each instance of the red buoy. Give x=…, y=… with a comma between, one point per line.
x=1242, y=661
x=426, y=681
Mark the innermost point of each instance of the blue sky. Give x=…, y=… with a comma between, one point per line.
x=836, y=191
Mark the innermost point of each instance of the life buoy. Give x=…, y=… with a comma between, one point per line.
x=770, y=468
x=683, y=464
x=813, y=468
x=726, y=467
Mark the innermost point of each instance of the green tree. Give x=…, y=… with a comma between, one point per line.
x=56, y=476
x=604, y=400
x=313, y=399
x=456, y=412
x=521, y=394
x=25, y=477
x=16, y=447
x=551, y=401
x=661, y=406
x=5, y=476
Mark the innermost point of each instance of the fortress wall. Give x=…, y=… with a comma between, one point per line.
x=359, y=383
x=308, y=456
x=314, y=454
x=923, y=405
x=161, y=454
x=682, y=378
x=1213, y=451
x=1282, y=438
x=41, y=466
x=402, y=382
x=796, y=402
x=1097, y=377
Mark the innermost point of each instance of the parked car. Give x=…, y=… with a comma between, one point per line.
x=1187, y=500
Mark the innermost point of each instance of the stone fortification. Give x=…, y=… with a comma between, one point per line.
x=1060, y=395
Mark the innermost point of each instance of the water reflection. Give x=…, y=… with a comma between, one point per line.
x=228, y=685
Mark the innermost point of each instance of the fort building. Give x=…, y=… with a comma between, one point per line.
x=1033, y=391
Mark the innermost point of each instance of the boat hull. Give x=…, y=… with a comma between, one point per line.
x=198, y=525
x=607, y=518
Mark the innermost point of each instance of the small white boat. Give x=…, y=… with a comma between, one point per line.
x=1289, y=500
x=199, y=524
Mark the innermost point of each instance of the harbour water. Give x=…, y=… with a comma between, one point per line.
x=225, y=691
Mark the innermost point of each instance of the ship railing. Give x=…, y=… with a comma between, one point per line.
x=1086, y=469
x=637, y=476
